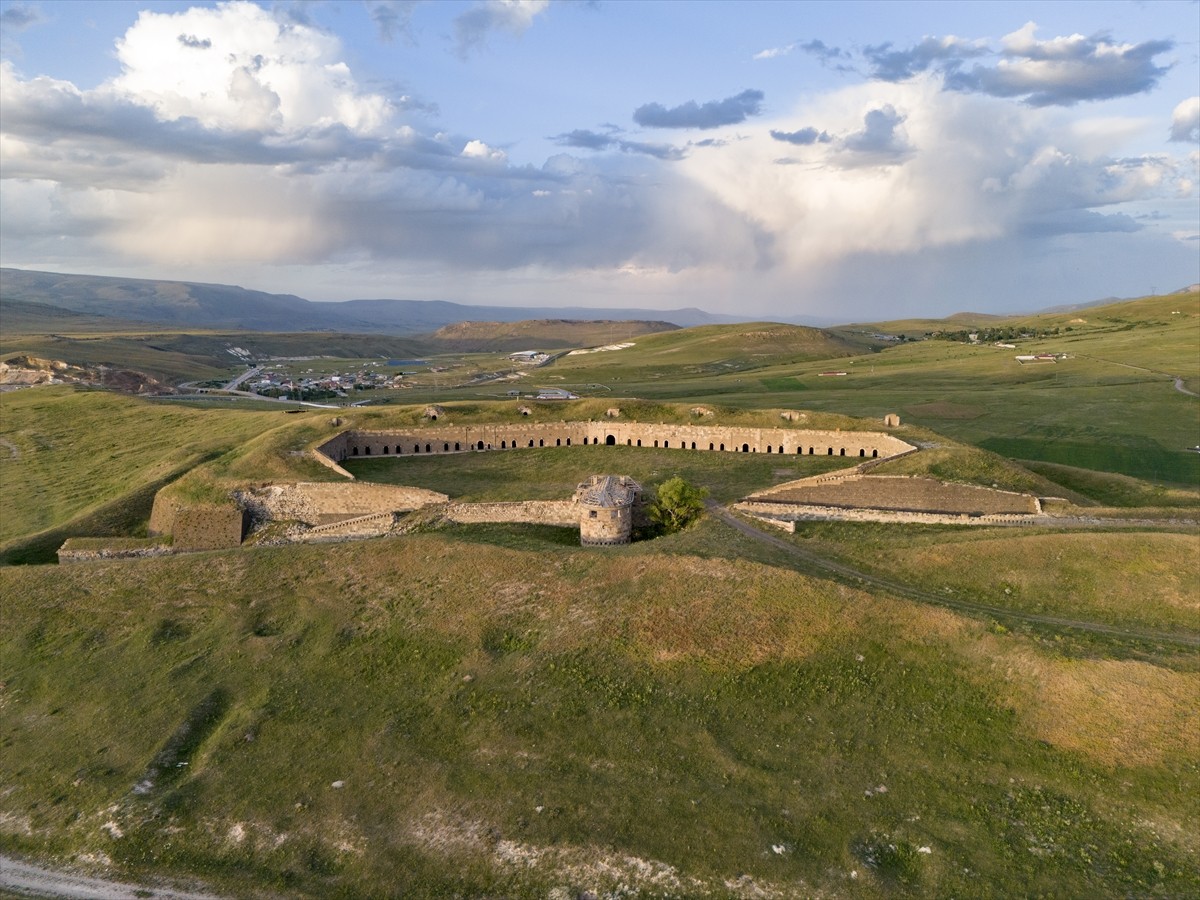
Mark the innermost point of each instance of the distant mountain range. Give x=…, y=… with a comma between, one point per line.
x=189, y=305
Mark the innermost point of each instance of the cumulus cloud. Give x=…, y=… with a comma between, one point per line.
x=244, y=68
x=897, y=65
x=1063, y=71
x=911, y=167
x=1185, y=121
x=712, y=114
x=802, y=137
x=473, y=27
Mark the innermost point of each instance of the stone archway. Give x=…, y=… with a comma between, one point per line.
x=610, y=441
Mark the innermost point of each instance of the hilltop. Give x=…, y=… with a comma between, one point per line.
x=541, y=334
x=191, y=305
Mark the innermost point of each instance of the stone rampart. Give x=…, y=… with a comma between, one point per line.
x=779, y=514
x=163, y=513
x=901, y=493
x=860, y=445
x=208, y=527
x=563, y=513
x=312, y=502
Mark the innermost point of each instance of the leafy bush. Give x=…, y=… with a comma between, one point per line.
x=676, y=504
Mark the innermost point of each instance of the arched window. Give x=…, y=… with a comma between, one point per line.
x=656, y=443
x=862, y=452
x=568, y=442
x=710, y=446
x=874, y=454
x=354, y=451
x=745, y=448
x=456, y=446
x=558, y=442
x=416, y=448
x=628, y=442
x=446, y=448
x=842, y=451
x=693, y=445
x=479, y=446
x=830, y=452
x=385, y=450
x=770, y=449
x=639, y=442
x=368, y=450
x=427, y=449
x=504, y=445
x=541, y=442
x=722, y=446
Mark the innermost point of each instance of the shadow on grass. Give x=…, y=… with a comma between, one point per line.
x=126, y=516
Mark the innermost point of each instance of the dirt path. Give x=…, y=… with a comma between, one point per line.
x=911, y=593
x=1179, y=387
x=22, y=879
x=13, y=450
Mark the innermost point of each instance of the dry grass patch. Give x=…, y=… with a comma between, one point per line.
x=1114, y=712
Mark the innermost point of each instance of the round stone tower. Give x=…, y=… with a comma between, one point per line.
x=606, y=509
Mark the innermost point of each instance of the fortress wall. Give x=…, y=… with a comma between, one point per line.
x=782, y=513
x=538, y=512
x=902, y=493
x=332, y=450
x=309, y=501
x=208, y=528
x=162, y=514
x=460, y=439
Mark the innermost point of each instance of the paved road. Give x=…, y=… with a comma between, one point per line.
x=249, y=373
x=22, y=879
x=911, y=593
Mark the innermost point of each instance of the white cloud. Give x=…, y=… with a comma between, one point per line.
x=473, y=28
x=479, y=150
x=1185, y=121
x=239, y=66
x=969, y=168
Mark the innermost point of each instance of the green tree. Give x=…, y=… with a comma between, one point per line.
x=676, y=504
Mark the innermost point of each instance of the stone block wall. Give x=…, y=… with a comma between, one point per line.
x=563, y=513
x=208, y=528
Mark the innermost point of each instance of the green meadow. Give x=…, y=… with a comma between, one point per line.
x=854, y=710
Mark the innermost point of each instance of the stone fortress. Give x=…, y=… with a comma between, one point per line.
x=605, y=508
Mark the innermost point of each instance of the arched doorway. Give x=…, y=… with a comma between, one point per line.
x=610, y=441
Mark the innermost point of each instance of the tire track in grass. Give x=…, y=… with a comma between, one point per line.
x=843, y=571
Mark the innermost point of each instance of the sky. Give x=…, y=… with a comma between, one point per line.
x=832, y=161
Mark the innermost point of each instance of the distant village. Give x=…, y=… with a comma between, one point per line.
x=272, y=383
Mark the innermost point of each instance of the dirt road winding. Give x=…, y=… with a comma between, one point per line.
x=845, y=572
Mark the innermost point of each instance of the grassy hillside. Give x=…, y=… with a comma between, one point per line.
x=438, y=715
x=541, y=334
x=83, y=459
